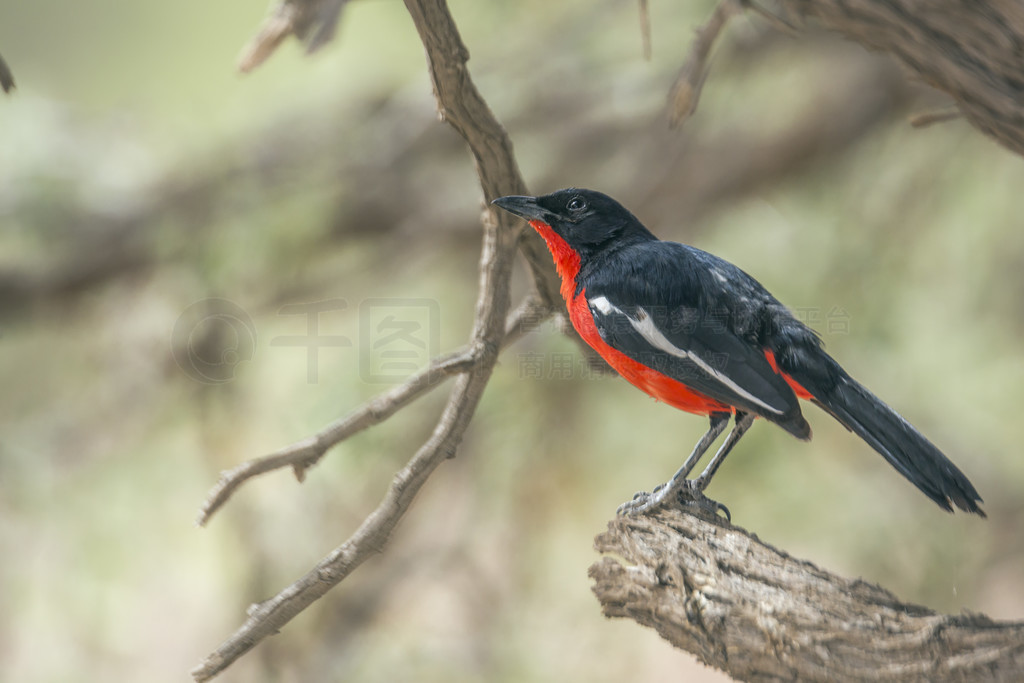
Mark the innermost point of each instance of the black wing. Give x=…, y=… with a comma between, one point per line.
x=697, y=319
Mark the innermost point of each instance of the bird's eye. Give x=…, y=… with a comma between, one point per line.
x=577, y=204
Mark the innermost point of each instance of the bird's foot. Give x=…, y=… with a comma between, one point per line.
x=643, y=501
x=692, y=495
x=688, y=493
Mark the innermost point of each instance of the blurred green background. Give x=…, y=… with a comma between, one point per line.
x=140, y=175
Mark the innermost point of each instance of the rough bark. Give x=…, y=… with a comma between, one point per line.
x=974, y=51
x=758, y=614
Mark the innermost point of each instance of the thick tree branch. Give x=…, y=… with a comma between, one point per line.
x=758, y=614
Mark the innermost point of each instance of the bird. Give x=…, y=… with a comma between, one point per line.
x=699, y=334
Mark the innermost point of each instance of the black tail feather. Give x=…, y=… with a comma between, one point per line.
x=898, y=441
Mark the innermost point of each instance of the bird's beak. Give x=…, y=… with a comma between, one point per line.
x=527, y=207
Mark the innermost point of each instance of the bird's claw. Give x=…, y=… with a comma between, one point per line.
x=641, y=502
x=690, y=494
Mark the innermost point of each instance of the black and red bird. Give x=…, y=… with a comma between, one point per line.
x=698, y=333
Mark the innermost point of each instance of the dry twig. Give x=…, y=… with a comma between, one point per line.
x=685, y=92
x=461, y=105
x=645, y=29
x=929, y=118
x=312, y=21
x=303, y=454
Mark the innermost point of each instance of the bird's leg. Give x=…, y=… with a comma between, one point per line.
x=743, y=422
x=643, y=501
x=692, y=492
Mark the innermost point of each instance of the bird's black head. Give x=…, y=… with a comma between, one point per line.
x=588, y=221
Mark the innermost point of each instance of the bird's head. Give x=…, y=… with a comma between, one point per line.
x=586, y=220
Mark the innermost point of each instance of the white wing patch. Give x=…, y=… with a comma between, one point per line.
x=602, y=304
x=644, y=324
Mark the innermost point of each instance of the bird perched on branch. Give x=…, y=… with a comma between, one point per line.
x=698, y=333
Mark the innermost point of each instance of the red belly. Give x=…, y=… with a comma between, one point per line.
x=658, y=385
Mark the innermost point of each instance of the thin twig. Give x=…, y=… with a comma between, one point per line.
x=645, y=29
x=928, y=118
x=274, y=30
x=312, y=21
x=303, y=454
x=777, y=22
x=685, y=92
x=315, y=22
x=461, y=105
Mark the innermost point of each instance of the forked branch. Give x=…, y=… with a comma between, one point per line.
x=305, y=453
x=461, y=105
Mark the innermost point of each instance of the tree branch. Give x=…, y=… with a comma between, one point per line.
x=645, y=29
x=970, y=50
x=305, y=453
x=311, y=21
x=685, y=92
x=758, y=614
x=461, y=105
x=315, y=22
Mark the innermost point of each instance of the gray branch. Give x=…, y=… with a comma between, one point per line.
x=461, y=105
x=305, y=453
x=968, y=49
x=756, y=613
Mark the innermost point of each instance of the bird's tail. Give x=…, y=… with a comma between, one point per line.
x=898, y=441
